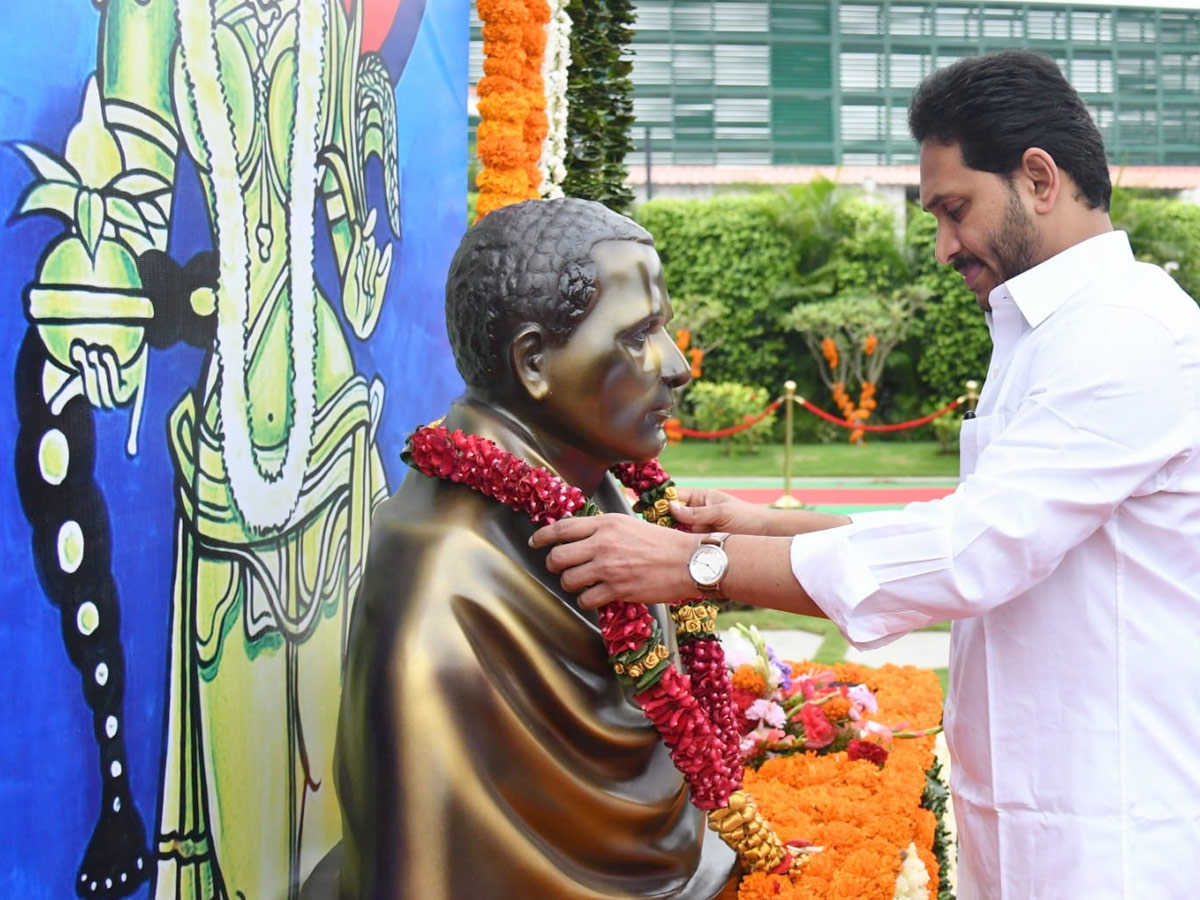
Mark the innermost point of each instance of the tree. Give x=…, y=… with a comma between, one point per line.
x=849, y=298
x=950, y=334
x=850, y=337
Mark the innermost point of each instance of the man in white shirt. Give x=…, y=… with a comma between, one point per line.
x=1069, y=556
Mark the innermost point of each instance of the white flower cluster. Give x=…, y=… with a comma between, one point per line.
x=554, y=72
x=913, y=881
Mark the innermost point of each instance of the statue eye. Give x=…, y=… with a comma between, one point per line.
x=638, y=337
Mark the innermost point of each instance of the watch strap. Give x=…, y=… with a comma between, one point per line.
x=716, y=538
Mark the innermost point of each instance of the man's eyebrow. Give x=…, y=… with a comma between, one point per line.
x=933, y=201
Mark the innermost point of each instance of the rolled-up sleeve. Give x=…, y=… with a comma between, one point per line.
x=1082, y=440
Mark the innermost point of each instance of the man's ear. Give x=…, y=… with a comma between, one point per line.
x=527, y=356
x=1040, y=170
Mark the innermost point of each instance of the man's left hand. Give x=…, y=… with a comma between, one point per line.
x=615, y=557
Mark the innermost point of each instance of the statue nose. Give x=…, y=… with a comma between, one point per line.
x=675, y=369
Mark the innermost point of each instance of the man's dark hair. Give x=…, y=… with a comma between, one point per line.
x=528, y=262
x=995, y=107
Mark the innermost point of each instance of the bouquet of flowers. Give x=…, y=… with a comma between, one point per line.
x=785, y=711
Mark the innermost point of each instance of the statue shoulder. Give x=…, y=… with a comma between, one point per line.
x=432, y=540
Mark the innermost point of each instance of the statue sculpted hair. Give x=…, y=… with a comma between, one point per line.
x=528, y=262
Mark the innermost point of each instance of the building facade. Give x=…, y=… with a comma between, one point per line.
x=827, y=82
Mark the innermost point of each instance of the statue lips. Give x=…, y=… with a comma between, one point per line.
x=390, y=29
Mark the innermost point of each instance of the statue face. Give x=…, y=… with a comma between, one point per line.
x=610, y=383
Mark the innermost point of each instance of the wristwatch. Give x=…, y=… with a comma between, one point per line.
x=709, y=564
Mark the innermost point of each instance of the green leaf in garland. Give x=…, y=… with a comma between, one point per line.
x=599, y=94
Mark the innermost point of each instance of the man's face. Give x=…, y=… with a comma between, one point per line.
x=610, y=383
x=983, y=229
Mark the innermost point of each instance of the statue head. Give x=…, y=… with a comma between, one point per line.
x=557, y=311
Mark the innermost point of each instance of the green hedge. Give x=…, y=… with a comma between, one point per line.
x=726, y=248
x=757, y=256
x=1162, y=231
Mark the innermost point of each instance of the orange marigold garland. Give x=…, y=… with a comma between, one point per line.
x=512, y=101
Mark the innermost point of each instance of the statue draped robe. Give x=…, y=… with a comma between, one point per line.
x=485, y=748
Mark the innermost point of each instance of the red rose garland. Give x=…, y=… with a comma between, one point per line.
x=693, y=710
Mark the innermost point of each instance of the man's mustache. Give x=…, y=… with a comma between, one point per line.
x=961, y=262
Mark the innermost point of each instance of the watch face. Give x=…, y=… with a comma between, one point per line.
x=707, y=565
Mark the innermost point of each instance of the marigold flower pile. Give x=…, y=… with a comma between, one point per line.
x=863, y=815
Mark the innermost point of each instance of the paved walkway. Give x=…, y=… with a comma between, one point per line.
x=926, y=649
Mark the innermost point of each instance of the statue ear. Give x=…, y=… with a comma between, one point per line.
x=527, y=355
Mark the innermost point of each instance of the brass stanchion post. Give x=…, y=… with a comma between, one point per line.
x=972, y=397
x=787, y=501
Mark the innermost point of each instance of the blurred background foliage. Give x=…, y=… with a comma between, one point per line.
x=741, y=269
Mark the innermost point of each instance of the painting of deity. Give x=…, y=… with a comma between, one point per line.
x=226, y=228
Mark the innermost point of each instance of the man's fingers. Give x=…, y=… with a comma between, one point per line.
x=596, y=596
x=695, y=516
x=565, y=556
x=579, y=578
x=565, y=530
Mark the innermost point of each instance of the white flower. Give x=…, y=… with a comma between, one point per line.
x=739, y=651
x=554, y=74
x=913, y=881
x=767, y=712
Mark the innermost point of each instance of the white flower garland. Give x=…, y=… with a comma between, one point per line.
x=554, y=73
x=266, y=495
x=913, y=881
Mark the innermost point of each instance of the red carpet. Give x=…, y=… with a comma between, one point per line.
x=867, y=495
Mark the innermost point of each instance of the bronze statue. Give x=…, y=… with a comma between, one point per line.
x=485, y=747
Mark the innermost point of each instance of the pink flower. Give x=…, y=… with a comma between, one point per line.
x=864, y=697
x=806, y=686
x=875, y=729
x=818, y=732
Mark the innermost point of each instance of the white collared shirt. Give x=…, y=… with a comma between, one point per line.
x=1069, y=558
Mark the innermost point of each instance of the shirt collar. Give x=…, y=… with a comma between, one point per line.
x=1039, y=291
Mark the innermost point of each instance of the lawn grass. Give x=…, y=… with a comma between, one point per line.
x=876, y=459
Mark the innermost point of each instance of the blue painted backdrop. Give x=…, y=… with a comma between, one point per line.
x=49, y=777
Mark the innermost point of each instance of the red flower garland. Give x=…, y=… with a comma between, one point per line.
x=693, y=711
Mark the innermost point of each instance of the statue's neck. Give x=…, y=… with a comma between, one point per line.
x=535, y=446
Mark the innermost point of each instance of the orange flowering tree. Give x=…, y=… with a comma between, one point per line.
x=695, y=319
x=850, y=336
x=512, y=101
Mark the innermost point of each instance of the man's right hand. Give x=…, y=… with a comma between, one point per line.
x=705, y=509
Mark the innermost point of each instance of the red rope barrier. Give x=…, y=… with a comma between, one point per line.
x=733, y=429
x=859, y=426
